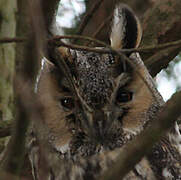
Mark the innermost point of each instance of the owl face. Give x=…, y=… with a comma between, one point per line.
x=106, y=104
x=99, y=86
x=94, y=96
x=91, y=99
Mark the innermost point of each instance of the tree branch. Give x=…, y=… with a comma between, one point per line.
x=50, y=8
x=14, y=156
x=100, y=28
x=160, y=60
x=12, y=40
x=88, y=16
x=161, y=24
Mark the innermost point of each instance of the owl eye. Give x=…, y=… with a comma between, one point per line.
x=124, y=96
x=68, y=103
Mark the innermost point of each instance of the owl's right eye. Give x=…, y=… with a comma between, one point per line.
x=124, y=96
x=67, y=103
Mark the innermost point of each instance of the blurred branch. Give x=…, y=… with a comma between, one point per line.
x=56, y=42
x=14, y=156
x=133, y=152
x=12, y=40
x=88, y=16
x=100, y=28
x=28, y=110
x=50, y=8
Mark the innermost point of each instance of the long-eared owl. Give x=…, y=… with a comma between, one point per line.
x=93, y=105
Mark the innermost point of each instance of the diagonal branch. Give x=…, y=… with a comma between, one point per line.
x=100, y=28
x=88, y=16
x=160, y=59
x=161, y=24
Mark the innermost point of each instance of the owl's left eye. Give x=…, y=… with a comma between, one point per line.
x=124, y=96
x=68, y=103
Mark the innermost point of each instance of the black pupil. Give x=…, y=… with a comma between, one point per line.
x=124, y=96
x=67, y=103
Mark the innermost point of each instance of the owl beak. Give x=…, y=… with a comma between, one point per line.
x=99, y=120
x=94, y=123
x=99, y=124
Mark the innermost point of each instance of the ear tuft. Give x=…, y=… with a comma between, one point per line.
x=126, y=29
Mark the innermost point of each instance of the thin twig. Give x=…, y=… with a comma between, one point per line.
x=146, y=49
x=12, y=40
x=88, y=16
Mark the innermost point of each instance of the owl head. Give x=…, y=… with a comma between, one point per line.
x=92, y=99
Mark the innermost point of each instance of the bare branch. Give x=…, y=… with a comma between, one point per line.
x=12, y=40
x=160, y=60
x=50, y=8
x=162, y=24
x=88, y=16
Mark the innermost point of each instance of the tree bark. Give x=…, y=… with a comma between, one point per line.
x=7, y=58
x=31, y=20
x=161, y=24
